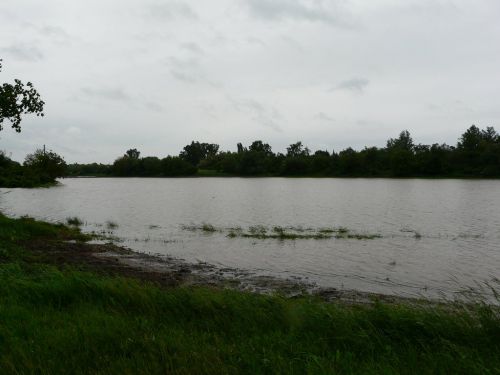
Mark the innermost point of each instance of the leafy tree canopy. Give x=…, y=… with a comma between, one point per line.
x=297, y=149
x=46, y=163
x=259, y=146
x=16, y=100
x=133, y=153
x=403, y=142
x=196, y=152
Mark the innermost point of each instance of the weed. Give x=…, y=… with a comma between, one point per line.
x=75, y=221
x=111, y=224
x=208, y=228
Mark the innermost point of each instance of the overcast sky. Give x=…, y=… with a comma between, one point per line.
x=156, y=74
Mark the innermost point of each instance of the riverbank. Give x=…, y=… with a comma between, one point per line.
x=97, y=308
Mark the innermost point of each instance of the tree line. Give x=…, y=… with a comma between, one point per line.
x=476, y=154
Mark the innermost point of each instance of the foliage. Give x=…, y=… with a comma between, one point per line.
x=40, y=168
x=93, y=169
x=46, y=164
x=16, y=100
x=196, y=152
x=477, y=154
x=175, y=166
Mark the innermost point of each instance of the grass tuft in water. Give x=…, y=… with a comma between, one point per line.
x=257, y=230
x=283, y=233
x=111, y=224
x=75, y=221
x=208, y=228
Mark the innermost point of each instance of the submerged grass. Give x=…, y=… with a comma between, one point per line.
x=76, y=221
x=111, y=225
x=59, y=320
x=283, y=233
x=204, y=227
x=208, y=228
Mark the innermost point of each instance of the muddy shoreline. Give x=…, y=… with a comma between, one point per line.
x=112, y=259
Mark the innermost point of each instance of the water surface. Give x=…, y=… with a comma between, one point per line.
x=438, y=237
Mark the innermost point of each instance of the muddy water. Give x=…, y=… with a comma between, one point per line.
x=438, y=237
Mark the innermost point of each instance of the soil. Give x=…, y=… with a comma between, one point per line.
x=110, y=259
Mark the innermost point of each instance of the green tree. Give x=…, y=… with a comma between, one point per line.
x=150, y=166
x=173, y=166
x=127, y=165
x=297, y=149
x=403, y=142
x=16, y=100
x=471, y=139
x=47, y=164
x=133, y=153
x=490, y=135
x=259, y=146
x=196, y=151
x=349, y=163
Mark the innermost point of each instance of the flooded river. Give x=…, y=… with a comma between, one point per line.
x=410, y=237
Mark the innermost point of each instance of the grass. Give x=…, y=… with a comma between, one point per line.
x=283, y=233
x=207, y=228
x=111, y=225
x=74, y=221
x=59, y=319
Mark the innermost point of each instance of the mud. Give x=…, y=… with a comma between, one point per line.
x=110, y=259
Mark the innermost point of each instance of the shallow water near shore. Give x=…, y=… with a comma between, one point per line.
x=409, y=237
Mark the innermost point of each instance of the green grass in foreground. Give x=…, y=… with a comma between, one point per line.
x=59, y=321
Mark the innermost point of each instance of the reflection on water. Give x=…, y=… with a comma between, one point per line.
x=437, y=236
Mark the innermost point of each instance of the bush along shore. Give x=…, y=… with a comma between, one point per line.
x=40, y=169
x=60, y=313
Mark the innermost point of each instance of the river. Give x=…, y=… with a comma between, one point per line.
x=432, y=237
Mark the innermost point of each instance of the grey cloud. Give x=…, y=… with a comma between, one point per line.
x=153, y=106
x=324, y=117
x=115, y=94
x=171, y=9
x=267, y=116
x=357, y=85
x=252, y=49
x=23, y=52
x=302, y=10
x=369, y=123
x=193, y=48
x=54, y=34
x=185, y=70
x=54, y=31
x=189, y=71
x=432, y=7
x=454, y=106
x=209, y=110
x=292, y=42
x=254, y=40
x=73, y=131
x=184, y=64
x=184, y=77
